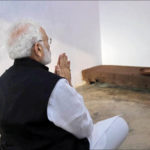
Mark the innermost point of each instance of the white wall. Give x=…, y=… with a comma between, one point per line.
x=125, y=32
x=73, y=26
x=84, y=29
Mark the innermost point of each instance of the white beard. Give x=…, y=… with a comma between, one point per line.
x=47, y=56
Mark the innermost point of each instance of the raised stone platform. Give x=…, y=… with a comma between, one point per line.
x=126, y=76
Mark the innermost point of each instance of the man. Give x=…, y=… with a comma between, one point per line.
x=40, y=110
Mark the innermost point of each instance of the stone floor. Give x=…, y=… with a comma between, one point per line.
x=104, y=101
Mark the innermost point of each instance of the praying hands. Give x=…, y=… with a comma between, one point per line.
x=63, y=67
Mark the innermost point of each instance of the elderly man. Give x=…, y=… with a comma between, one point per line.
x=40, y=110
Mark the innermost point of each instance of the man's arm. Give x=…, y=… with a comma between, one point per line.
x=66, y=109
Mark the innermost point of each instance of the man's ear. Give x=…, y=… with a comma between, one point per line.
x=38, y=50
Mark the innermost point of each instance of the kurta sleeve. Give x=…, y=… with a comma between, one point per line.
x=66, y=109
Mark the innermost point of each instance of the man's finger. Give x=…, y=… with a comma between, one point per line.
x=55, y=69
x=68, y=64
x=64, y=59
x=58, y=70
x=58, y=62
x=60, y=59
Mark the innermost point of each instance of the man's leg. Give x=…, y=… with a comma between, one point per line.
x=109, y=133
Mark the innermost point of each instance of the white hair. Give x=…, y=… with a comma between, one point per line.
x=20, y=46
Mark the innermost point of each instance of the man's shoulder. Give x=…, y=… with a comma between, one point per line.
x=50, y=74
x=5, y=73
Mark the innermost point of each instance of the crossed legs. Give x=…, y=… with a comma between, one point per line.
x=108, y=134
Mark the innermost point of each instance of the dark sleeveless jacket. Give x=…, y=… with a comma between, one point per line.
x=25, y=89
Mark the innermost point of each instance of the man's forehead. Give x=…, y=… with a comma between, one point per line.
x=43, y=32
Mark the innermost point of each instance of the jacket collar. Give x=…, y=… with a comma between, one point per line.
x=26, y=61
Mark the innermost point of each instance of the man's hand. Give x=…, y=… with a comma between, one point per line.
x=63, y=67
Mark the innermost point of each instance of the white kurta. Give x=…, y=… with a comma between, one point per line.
x=66, y=109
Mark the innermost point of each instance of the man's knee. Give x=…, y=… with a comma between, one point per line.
x=116, y=133
x=123, y=124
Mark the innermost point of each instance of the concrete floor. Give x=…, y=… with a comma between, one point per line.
x=105, y=101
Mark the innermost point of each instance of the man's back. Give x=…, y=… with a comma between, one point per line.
x=24, y=92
